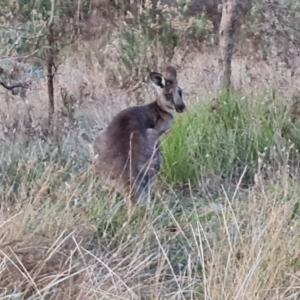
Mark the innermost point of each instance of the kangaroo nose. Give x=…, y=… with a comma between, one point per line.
x=180, y=108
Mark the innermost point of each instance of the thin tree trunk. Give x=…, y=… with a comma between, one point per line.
x=78, y=16
x=50, y=65
x=226, y=41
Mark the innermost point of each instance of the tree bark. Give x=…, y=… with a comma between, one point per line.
x=226, y=41
x=50, y=64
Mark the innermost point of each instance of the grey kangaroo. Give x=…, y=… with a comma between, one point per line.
x=128, y=152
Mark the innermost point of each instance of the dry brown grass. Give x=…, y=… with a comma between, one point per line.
x=76, y=242
x=63, y=237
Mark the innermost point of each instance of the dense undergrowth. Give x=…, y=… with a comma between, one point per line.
x=64, y=237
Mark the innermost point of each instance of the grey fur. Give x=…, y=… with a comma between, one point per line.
x=127, y=152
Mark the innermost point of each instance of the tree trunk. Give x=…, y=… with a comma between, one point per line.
x=50, y=65
x=226, y=42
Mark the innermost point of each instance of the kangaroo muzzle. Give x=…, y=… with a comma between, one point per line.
x=178, y=102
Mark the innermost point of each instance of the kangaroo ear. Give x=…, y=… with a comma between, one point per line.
x=157, y=79
x=171, y=73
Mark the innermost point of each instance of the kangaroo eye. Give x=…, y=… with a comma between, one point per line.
x=168, y=96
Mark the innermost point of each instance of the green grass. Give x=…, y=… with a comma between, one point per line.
x=223, y=142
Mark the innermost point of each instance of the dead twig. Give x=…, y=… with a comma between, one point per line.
x=18, y=85
x=50, y=65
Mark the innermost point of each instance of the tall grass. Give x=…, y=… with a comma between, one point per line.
x=225, y=140
x=64, y=237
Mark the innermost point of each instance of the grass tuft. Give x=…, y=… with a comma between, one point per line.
x=225, y=140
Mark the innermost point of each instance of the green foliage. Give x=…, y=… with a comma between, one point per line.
x=224, y=141
x=24, y=25
x=132, y=47
x=156, y=24
x=198, y=26
x=295, y=211
x=25, y=9
x=153, y=33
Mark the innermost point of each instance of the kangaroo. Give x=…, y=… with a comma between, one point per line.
x=128, y=150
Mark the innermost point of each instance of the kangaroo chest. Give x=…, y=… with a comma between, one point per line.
x=163, y=123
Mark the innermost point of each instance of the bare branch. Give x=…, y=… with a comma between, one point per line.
x=53, y=8
x=19, y=56
x=18, y=85
x=50, y=64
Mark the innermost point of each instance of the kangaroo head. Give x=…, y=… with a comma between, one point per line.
x=169, y=93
